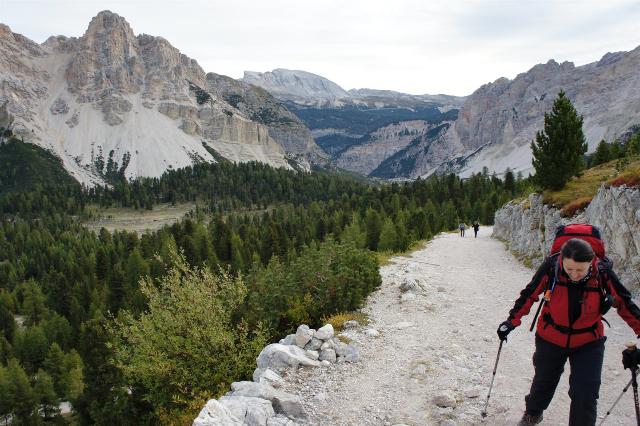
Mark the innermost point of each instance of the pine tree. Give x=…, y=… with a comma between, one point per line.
x=387, y=236
x=24, y=399
x=509, y=182
x=6, y=394
x=558, y=149
x=602, y=154
x=45, y=393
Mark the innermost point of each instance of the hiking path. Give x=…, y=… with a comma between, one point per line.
x=440, y=347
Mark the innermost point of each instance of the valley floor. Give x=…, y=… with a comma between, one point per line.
x=442, y=344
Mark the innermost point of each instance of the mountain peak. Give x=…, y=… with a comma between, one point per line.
x=295, y=84
x=107, y=23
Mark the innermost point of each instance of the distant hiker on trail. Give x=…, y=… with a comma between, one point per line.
x=476, y=227
x=462, y=229
x=579, y=286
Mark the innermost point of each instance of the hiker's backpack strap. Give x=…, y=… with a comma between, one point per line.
x=606, y=298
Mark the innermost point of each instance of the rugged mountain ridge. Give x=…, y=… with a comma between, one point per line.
x=499, y=120
x=359, y=128
x=138, y=101
x=494, y=127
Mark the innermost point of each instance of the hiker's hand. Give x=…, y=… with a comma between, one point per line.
x=504, y=329
x=630, y=358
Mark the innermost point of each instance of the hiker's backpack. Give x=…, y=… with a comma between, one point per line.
x=590, y=234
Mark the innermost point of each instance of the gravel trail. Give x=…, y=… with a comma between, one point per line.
x=441, y=346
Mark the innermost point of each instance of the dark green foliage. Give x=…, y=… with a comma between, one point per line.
x=46, y=395
x=602, y=153
x=23, y=398
x=202, y=96
x=558, y=150
x=334, y=144
x=360, y=119
x=7, y=323
x=24, y=167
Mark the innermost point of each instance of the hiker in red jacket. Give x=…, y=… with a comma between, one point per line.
x=580, y=289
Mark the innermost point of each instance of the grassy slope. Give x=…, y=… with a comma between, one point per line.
x=579, y=191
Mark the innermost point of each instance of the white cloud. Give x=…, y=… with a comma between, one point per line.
x=412, y=46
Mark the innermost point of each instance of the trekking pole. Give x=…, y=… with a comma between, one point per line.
x=495, y=367
x=631, y=346
x=533, y=323
x=616, y=402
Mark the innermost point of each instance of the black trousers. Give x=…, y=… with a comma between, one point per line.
x=584, y=381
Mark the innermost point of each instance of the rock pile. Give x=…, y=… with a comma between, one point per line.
x=263, y=402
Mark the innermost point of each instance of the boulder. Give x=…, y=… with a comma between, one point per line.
x=328, y=355
x=278, y=357
x=252, y=411
x=303, y=335
x=325, y=332
x=289, y=340
x=314, y=344
x=216, y=414
x=269, y=377
x=283, y=403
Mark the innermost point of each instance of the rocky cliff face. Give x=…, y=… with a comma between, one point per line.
x=499, y=120
x=136, y=99
x=365, y=156
x=529, y=227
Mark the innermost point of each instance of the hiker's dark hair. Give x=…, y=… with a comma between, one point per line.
x=578, y=250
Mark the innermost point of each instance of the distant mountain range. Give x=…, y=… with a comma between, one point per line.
x=137, y=102
x=394, y=135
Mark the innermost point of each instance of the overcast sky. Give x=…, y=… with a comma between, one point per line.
x=418, y=47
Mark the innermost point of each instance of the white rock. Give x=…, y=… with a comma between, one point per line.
x=372, y=332
x=329, y=344
x=252, y=411
x=314, y=344
x=314, y=355
x=325, y=332
x=271, y=378
x=289, y=340
x=283, y=403
x=303, y=335
x=216, y=414
x=328, y=355
x=409, y=284
x=278, y=357
x=325, y=363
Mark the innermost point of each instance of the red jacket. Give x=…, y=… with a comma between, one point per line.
x=583, y=298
